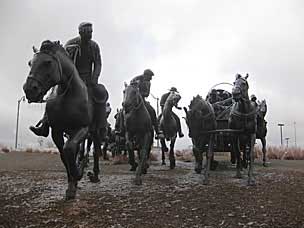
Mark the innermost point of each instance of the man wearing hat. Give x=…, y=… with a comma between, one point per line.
x=144, y=85
x=86, y=56
x=253, y=98
x=162, y=104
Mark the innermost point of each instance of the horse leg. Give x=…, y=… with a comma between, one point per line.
x=130, y=149
x=263, y=140
x=57, y=137
x=70, y=150
x=198, y=160
x=104, y=150
x=237, y=152
x=171, y=153
x=163, y=149
x=97, y=152
x=251, y=180
x=209, y=157
x=143, y=148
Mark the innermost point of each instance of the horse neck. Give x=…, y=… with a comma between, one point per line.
x=244, y=106
x=70, y=76
x=167, y=111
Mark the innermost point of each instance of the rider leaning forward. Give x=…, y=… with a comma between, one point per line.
x=86, y=55
x=144, y=85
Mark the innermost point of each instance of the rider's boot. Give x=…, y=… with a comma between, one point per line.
x=42, y=130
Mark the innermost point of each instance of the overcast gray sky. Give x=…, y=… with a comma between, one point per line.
x=190, y=44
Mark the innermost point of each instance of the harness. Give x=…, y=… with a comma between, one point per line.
x=44, y=85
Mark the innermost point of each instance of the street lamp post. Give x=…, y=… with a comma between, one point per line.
x=281, y=131
x=287, y=138
x=157, y=112
x=17, y=122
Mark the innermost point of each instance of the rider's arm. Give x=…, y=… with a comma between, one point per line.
x=97, y=63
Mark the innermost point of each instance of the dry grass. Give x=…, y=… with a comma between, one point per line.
x=282, y=153
x=185, y=155
x=33, y=150
x=4, y=149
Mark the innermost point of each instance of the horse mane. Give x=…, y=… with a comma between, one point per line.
x=52, y=46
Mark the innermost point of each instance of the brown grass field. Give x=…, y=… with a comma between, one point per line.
x=33, y=186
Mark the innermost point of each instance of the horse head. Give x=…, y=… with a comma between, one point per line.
x=262, y=108
x=199, y=113
x=240, y=88
x=45, y=71
x=132, y=98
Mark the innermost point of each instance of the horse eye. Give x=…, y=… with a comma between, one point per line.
x=29, y=63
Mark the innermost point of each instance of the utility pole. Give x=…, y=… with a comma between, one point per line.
x=281, y=131
x=287, y=138
x=17, y=122
x=157, y=113
x=295, y=133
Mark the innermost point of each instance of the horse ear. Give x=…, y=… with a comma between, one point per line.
x=247, y=76
x=125, y=84
x=35, y=50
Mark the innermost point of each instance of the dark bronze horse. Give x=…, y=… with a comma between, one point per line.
x=243, y=118
x=169, y=127
x=138, y=129
x=70, y=109
x=201, y=120
x=262, y=127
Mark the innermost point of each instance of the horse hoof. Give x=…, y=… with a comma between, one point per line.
x=163, y=163
x=251, y=183
x=138, y=181
x=94, y=179
x=70, y=194
x=144, y=171
x=198, y=171
x=133, y=168
x=264, y=164
x=238, y=176
x=172, y=164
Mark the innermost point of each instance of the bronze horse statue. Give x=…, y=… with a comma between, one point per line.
x=201, y=122
x=71, y=109
x=262, y=127
x=138, y=129
x=243, y=119
x=169, y=127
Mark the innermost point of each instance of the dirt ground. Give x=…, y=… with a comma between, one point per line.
x=32, y=191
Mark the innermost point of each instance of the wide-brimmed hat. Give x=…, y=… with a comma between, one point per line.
x=173, y=89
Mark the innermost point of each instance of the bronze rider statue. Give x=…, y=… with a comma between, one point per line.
x=144, y=84
x=162, y=104
x=86, y=55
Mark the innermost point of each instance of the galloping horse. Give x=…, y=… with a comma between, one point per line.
x=138, y=129
x=201, y=120
x=262, y=127
x=243, y=118
x=169, y=127
x=70, y=109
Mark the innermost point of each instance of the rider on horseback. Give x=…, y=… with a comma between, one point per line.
x=144, y=84
x=86, y=55
x=253, y=98
x=162, y=104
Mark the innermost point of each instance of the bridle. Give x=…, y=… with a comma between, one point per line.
x=44, y=85
x=138, y=104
